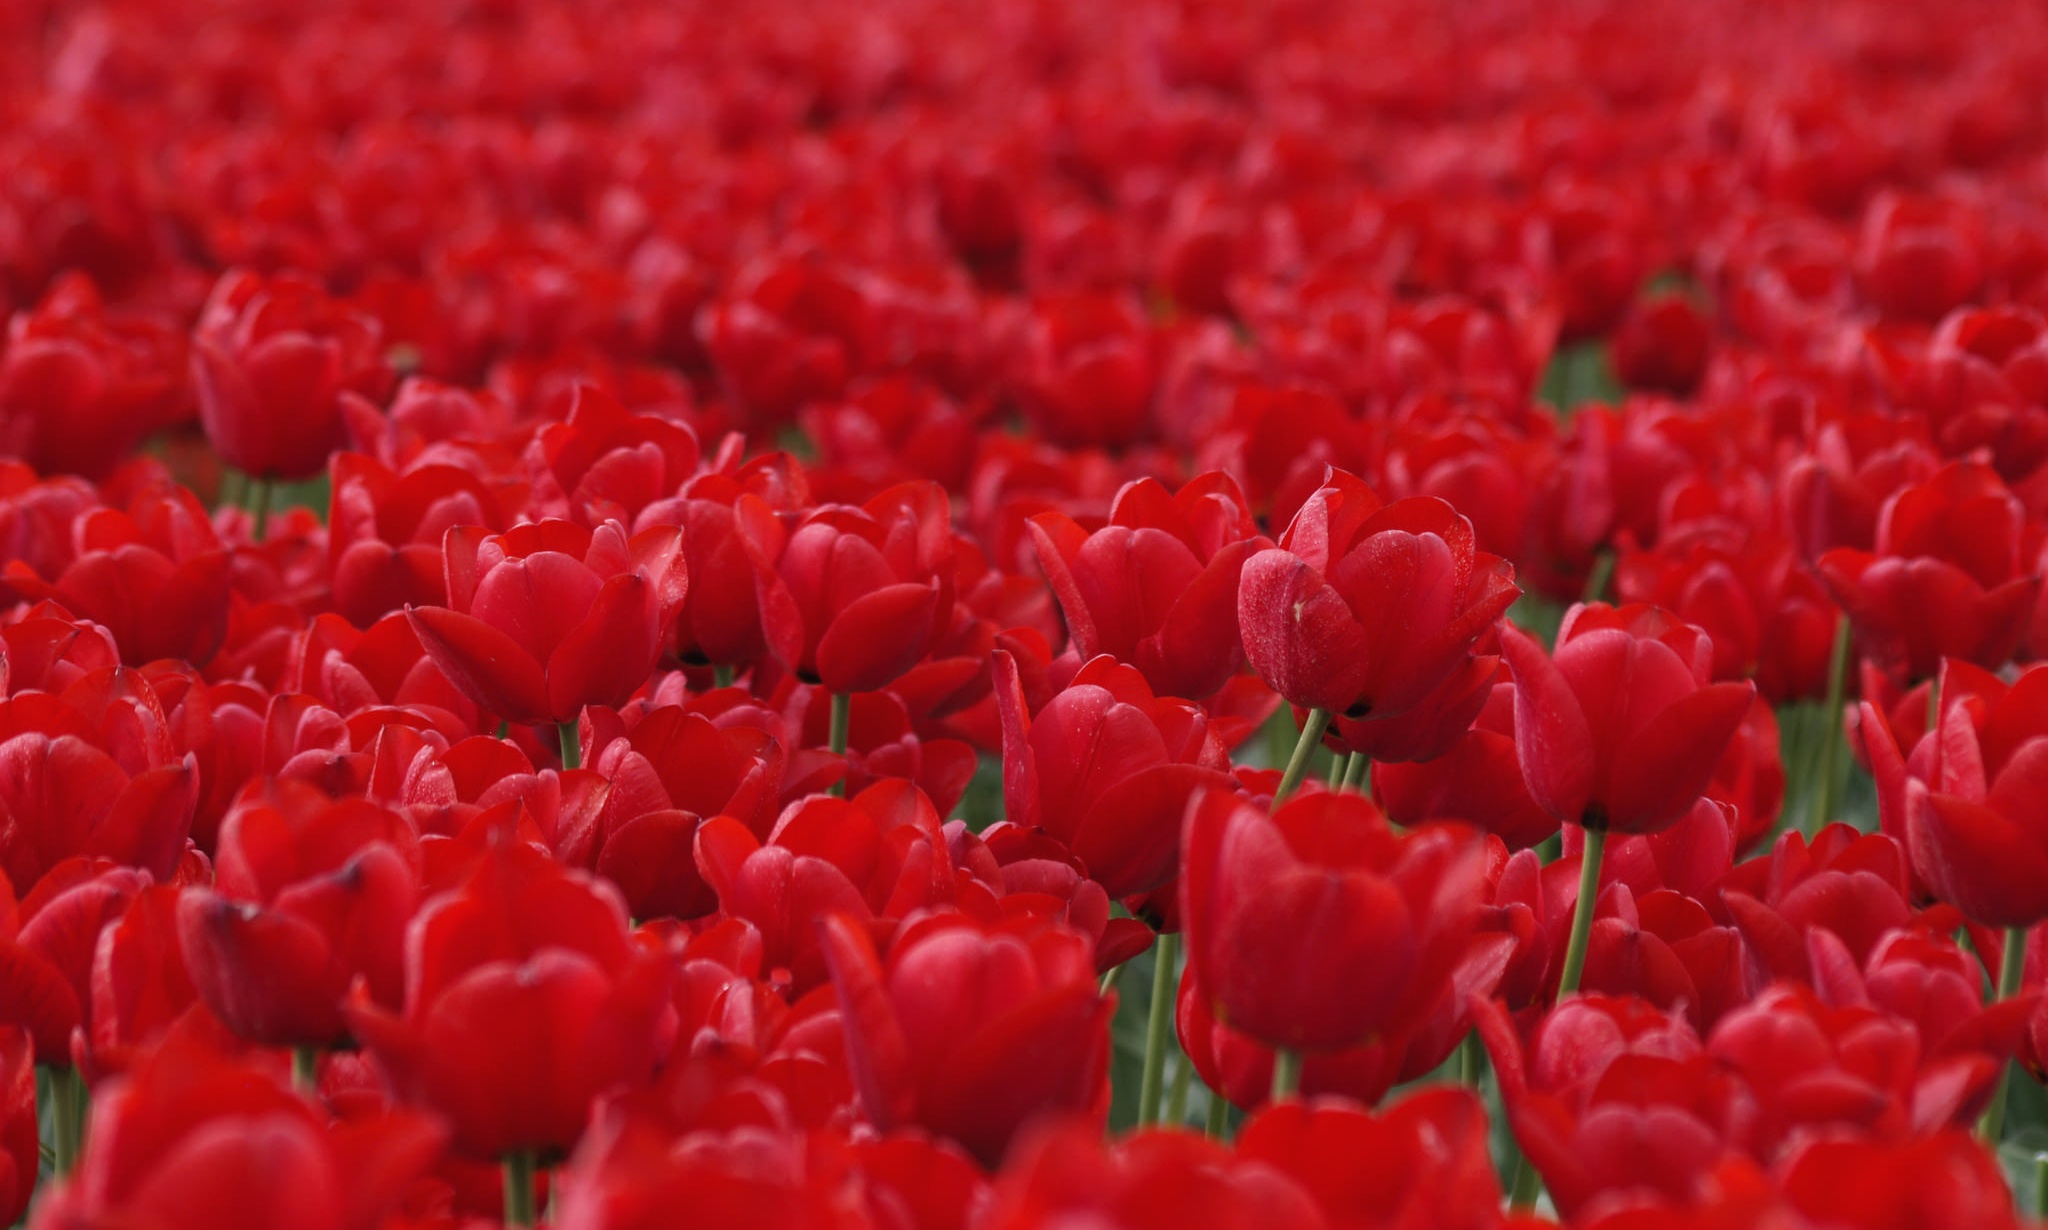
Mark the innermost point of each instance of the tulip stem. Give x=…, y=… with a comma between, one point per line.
x=572, y=744
x=1582, y=912
x=1286, y=1074
x=1355, y=770
x=306, y=1069
x=1217, y=1125
x=1831, y=731
x=722, y=675
x=1157, y=1016
x=259, y=507
x=1597, y=579
x=1177, y=1100
x=519, y=1203
x=1304, y=748
x=1468, y=1060
x=67, y=1117
x=1528, y=1185
x=842, y=721
x=2012, y=965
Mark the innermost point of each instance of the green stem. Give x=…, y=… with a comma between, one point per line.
x=2041, y=1185
x=572, y=744
x=519, y=1203
x=2012, y=966
x=1286, y=1074
x=842, y=721
x=1218, y=1123
x=1934, y=702
x=1304, y=748
x=306, y=1069
x=1469, y=1060
x=1528, y=1185
x=1831, y=733
x=1355, y=770
x=1109, y=980
x=723, y=674
x=1177, y=1101
x=1597, y=579
x=1337, y=766
x=67, y=1115
x=1157, y=1019
x=259, y=507
x=1582, y=912
x=234, y=488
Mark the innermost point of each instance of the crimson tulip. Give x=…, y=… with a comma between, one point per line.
x=549, y=617
x=871, y=588
x=309, y=895
x=271, y=358
x=1364, y=609
x=525, y=999
x=1157, y=586
x=1946, y=578
x=1107, y=769
x=1622, y=729
x=969, y=1031
x=1318, y=928
x=192, y=1138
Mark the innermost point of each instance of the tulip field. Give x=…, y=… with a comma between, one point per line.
x=1023, y=614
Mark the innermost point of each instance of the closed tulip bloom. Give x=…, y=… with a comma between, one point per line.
x=1978, y=831
x=1157, y=586
x=1319, y=927
x=1947, y=578
x=1622, y=729
x=271, y=358
x=525, y=1000
x=192, y=1139
x=549, y=617
x=1365, y=609
x=872, y=587
x=1107, y=768
x=972, y=1031
x=309, y=894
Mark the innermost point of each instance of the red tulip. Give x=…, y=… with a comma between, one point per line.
x=47, y=943
x=1613, y=1102
x=19, y=1155
x=1148, y=1181
x=1089, y=370
x=140, y=986
x=271, y=358
x=64, y=796
x=1157, y=586
x=1946, y=580
x=871, y=587
x=80, y=386
x=525, y=1000
x=1978, y=832
x=1107, y=769
x=1424, y=1162
x=309, y=895
x=1621, y=730
x=549, y=617
x=194, y=1140
x=607, y=464
x=385, y=532
x=1663, y=344
x=154, y=574
x=1478, y=781
x=1241, y=1070
x=1319, y=928
x=972, y=1032
x=1365, y=609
